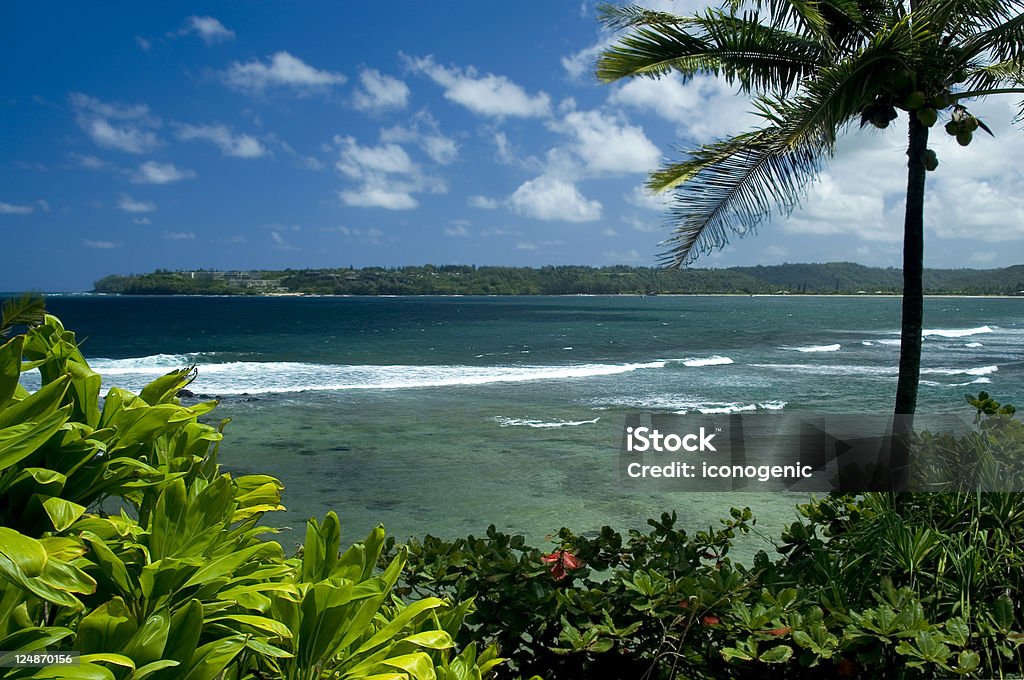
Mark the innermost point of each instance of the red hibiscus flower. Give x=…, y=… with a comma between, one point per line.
x=710, y=620
x=561, y=561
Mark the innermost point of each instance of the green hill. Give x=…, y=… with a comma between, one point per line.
x=830, y=278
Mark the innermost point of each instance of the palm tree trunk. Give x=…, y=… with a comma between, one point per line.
x=913, y=272
x=913, y=314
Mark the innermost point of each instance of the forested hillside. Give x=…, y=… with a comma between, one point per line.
x=831, y=278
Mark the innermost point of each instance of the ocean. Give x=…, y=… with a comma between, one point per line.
x=444, y=415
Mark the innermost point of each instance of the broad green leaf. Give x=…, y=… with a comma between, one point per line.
x=147, y=645
x=186, y=626
x=778, y=654
x=166, y=387
x=109, y=563
x=229, y=563
x=431, y=639
x=37, y=405
x=20, y=441
x=33, y=639
x=210, y=659
x=150, y=668
x=27, y=554
x=418, y=665
x=259, y=622
x=399, y=622
x=64, y=576
x=85, y=671
x=10, y=368
x=110, y=626
x=116, y=659
x=62, y=513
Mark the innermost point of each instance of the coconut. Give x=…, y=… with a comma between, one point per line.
x=928, y=117
x=964, y=138
x=952, y=128
x=914, y=100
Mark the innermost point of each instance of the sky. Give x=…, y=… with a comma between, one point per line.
x=137, y=136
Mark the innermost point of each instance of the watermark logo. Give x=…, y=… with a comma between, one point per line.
x=807, y=453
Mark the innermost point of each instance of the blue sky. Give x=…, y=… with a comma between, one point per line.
x=135, y=136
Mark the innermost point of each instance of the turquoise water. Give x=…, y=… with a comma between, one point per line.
x=444, y=415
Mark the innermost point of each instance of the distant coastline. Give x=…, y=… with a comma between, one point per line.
x=835, y=278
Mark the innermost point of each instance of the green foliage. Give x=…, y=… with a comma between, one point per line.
x=122, y=539
x=834, y=277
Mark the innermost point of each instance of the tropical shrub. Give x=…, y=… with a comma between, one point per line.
x=122, y=539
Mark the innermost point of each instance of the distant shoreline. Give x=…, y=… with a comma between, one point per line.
x=91, y=294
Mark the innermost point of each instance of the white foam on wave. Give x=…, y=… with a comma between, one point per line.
x=956, y=332
x=852, y=369
x=256, y=377
x=890, y=341
x=814, y=348
x=980, y=370
x=724, y=408
x=540, y=424
x=154, y=364
x=696, y=362
x=867, y=343
x=830, y=369
x=973, y=345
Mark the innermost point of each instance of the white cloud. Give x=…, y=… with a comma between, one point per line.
x=152, y=172
x=424, y=131
x=647, y=225
x=116, y=126
x=372, y=236
x=641, y=197
x=499, y=231
x=553, y=198
x=486, y=95
x=141, y=220
x=584, y=62
x=704, y=108
x=230, y=144
x=282, y=71
x=387, y=174
x=456, y=230
x=357, y=161
x=378, y=91
x=11, y=209
x=129, y=204
x=280, y=243
x=43, y=204
x=376, y=196
x=89, y=161
x=207, y=28
x=983, y=257
x=179, y=235
x=482, y=202
x=609, y=232
x=101, y=245
x=607, y=145
x=143, y=44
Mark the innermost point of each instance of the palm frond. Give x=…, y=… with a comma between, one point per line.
x=1001, y=41
x=1002, y=75
x=839, y=93
x=619, y=17
x=961, y=18
x=27, y=309
x=729, y=187
x=740, y=49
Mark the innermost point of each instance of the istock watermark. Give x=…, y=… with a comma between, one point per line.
x=783, y=452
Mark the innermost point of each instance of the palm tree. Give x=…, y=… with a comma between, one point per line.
x=814, y=68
